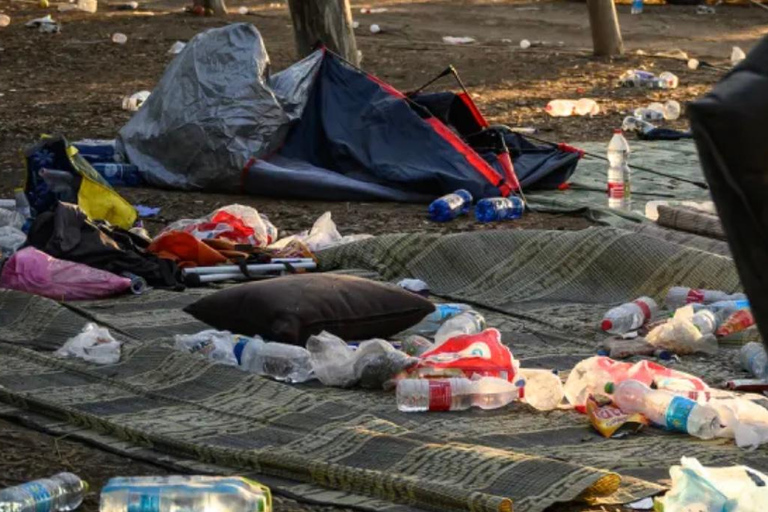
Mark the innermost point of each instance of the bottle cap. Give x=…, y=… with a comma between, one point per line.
x=609, y=388
x=617, y=130
x=606, y=325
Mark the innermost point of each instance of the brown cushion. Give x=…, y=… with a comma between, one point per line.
x=292, y=308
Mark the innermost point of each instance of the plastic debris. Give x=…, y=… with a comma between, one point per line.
x=375, y=29
x=147, y=211
x=46, y=25
x=119, y=38
x=737, y=55
x=458, y=40
x=705, y=9
x=235, y=222
x=416, y=286
x=693, y=64
x=94, y=344
x=242, y=10
x=5, y=20
x=133, y=102
x=323, y=235
x=60, y=493
x=681, y=336
x=218, y=346
x=375, y=10
x=567, y=108
x=610, y=421
x=176, y=47
x=11, y=239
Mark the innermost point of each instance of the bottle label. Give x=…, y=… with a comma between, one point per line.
x=145, y=500
x=644, y=308
x=616, y=190
x=39, y=494
x=695, y=296
x=454, y=201
x=440, y=395
x=677, y=413
x=238, y=350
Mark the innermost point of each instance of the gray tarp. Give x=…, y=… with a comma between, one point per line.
x=213, y=110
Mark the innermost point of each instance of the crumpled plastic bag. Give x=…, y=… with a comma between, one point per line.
x=238, y=223
x=94, y=344
x=681, y=336
x=11, y=218
x=11, y=239
x=743, y=419
x=218, y=346
x=373, y=365
x=34, y=271
x=323, y=235
x=707, y=489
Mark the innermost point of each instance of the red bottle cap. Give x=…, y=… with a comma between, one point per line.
x=606, y=325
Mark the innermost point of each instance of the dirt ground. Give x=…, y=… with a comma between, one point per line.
x=73, y=82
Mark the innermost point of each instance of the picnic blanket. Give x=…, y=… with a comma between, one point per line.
x=544, y=290
x=670, y=171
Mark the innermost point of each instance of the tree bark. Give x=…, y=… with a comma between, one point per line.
x=606, y=34
x=325, y=21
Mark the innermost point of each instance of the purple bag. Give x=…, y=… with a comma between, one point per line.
x=33, y=271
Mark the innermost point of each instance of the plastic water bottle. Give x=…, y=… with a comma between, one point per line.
x=60, y=493
x=450, y=206
x=542, y=390
x=637, y=7
x=619, y=193
x=649, y=114
x=499, y=208
x=287, y=363
x=175, y=493
x=665, y=80
x=679, y=296
x=636, y=78
x=459, y=394
x=754, y=359
x=119, y=175
x=470, y=322
x=560, y=108
x=443, y=312
x=705, y=321
x=666, y=409
x=630, y=316
x=637, y=125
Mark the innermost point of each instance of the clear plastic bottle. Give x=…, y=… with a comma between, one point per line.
x=637, y=7
x=649, y=114
x=450, y=206
x=175, y=493
x=619, y=191
x=672, y=110
x=679, y=296
x=636, y=78
x=59, y=493
x=630, y=316
x=665, y=80
x=586, y=107
x=287, y=363
x=499, y=208
x=705, y=321
x=470, y=322
x=442, y=313
x=637, y=125
x=560, y=108
x=459, y=394
x=543, y=389
x=211, y=344
x=666, y=409
x=754, y=359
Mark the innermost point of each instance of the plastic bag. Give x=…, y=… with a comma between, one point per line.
x=730, y=489
x=33, y=271
x=373, y=365
x=218, y=346
x=11, y=218
x=681, y=336
x=11, y=239
x=94, y=344
x=323, y=235
x=238, y=223
x=481, y=355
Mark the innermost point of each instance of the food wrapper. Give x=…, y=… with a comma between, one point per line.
x=610, y=421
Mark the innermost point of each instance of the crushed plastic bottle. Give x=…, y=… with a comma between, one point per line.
x=5, y=20
x=469, y=322
x=737, y=55
x=542, y=390
x=679, y=296
x=286, y=363
x=754, y=359
x=458, y=394
x=630, y=316
x=637, y=7
x=60, y=493
x=450, y=206
x=176, y=493
x=443, y=312
x=636, y=125
x=211, y=344
x=666, y=409
x=646, y=79
x=496, y=209
x=705, y=321
x=737, y=322
x=619, y=189
x=135, y=100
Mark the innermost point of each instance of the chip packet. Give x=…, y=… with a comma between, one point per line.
x=610, y=421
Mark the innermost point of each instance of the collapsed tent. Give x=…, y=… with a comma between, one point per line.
x=319, y=129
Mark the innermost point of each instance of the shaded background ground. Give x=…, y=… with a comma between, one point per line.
x=72, y=83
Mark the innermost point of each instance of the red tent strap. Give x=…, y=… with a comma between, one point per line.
x=476, y=114
x=509, y=171
x=570, y=149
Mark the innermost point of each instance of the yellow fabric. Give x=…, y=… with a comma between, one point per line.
x=103, y=203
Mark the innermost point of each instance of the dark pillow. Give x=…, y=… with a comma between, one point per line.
x=292, y=308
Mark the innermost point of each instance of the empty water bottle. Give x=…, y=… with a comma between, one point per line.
x=637, y=125
x=649, y=114
x=499, y=208
x=59, y=493
x=705, y=321
x=418, y=395
x=666, y=409
x=666, y=80
x=679, y=296
x=119, y=175
x=450, y=206
x=175, y=493
x=636, y=78
x=754, y=359
x=560, y=108
x=287, y=363
x=470, y=322
x=619, y=193
x=443, y=312
x=637, y=7
x=5, y=20
x=630, y=316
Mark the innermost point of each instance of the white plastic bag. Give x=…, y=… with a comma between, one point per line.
x=94, y=344
x=681, y=336
x=323, y=235
x=215, y=345
x=11, y=239
x=238, y=223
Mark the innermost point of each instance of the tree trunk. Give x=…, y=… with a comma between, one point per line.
x=606, y=34
x=325, y=21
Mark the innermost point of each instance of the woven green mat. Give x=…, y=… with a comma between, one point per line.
x=544, y=290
